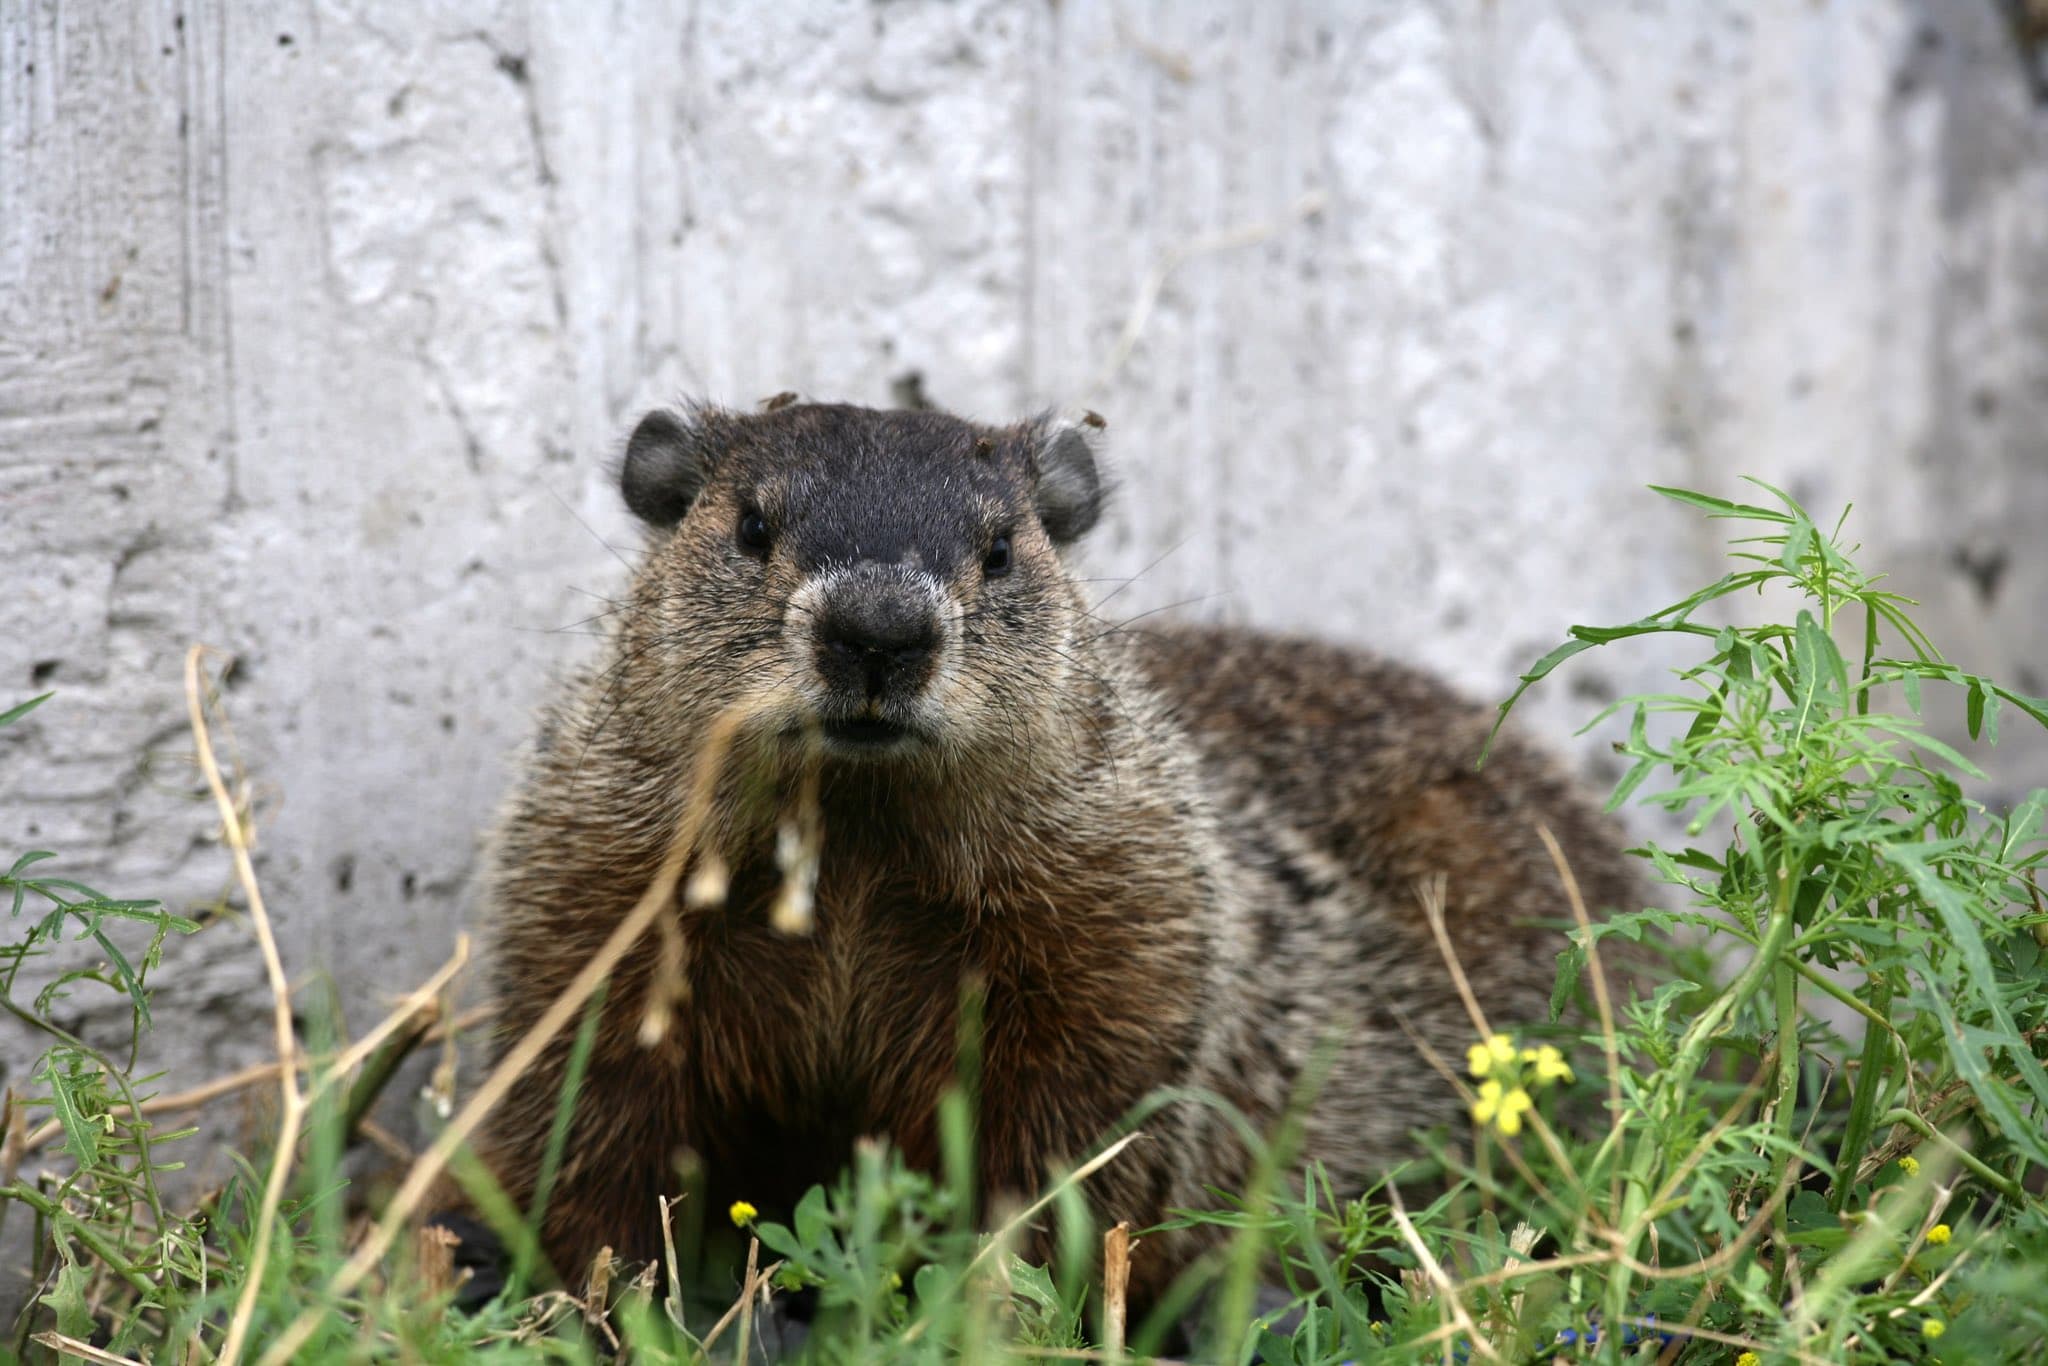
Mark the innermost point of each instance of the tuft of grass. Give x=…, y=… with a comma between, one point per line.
x=1816, y=1132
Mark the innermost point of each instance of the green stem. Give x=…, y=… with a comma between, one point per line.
x=2010, y=1189
x=1677, y=1079
x=62, y=1223
x=145, y=1164
x=1787, y=1012
x=1692, y=1048
x=1846, y=997
x=1870, y=1070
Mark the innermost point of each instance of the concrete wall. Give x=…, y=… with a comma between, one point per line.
x=318, y=321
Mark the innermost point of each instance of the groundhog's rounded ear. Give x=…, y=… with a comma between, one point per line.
x=1068, y=491
x=669, y=459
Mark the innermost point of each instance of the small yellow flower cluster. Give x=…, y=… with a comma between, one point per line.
x=1500, y=1107
x=742, y=1214
x=1509, y=1075
x=1910, y=1165
x=1496, y=1053
x=1940, y=1234
x=1749, y=1359
x=1932, y=1328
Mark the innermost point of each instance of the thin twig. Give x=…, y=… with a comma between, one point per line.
x=423, y=997
x=747, y=1302
x=738, y=1306
x=1001, y=1237
x=253, y=1075
x=1448, y=1291
x=84, y=1351
x=1602, y=1000
x=293, y=1099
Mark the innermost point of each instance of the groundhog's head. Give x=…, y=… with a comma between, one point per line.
x=892, y=579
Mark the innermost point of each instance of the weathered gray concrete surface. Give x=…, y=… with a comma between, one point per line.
x=318, y=321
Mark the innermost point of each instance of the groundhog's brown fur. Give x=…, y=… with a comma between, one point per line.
x=1183, y=858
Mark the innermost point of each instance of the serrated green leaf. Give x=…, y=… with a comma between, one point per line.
x=67, y=1300
x=81, y=1135
x=1033, y=1283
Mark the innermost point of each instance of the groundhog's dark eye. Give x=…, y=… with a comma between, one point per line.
x=996, y=563
x=753, y=534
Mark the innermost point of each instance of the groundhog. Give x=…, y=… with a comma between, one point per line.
x=1175, y=858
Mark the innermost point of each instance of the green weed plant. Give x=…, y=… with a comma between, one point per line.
x=1802, y=1115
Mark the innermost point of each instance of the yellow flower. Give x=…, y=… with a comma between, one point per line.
x=742, y=1213
x=1550, y=1064
x=1910, y=1165
x=1497, y=1051
x=1932, y=1328
x=1748, y=1359
x=1501, y=1108
x=1939, y=1234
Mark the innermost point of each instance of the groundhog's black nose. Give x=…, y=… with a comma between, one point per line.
x=873, y=638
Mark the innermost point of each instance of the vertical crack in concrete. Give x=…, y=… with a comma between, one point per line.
x=518, y=69
x=224, y=323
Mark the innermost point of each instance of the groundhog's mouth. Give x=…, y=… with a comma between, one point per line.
x=865, y=732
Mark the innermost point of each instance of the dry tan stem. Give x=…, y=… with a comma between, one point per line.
x=1031, y=1211
x=658, y=899
x=747, y=1301
x=84, y=1351
x=1733, y=1340
x=748, y=1289
x=1430, y=892
x=1507, y=1150
x=423, y=997
x=1001, y=1237
x=1116, y=1289
x=668, y=1259
x=386, y=1142
x=597, y=1291
x=1935, y=1209
x=183, y=1100
x=1919, y=1301
x=293, y=1100
x=1602, y=999
x=1447, y=1290
x=254, y=1075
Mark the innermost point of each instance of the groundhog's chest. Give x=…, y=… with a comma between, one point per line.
x=789, y=1046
